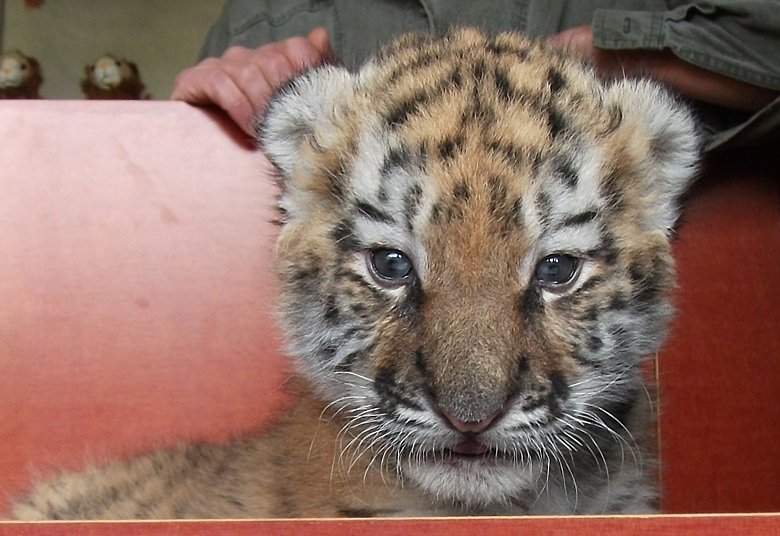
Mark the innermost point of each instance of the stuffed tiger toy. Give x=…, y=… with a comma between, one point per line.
x=474, y=263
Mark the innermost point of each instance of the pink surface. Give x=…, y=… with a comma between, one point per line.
x=135, y=290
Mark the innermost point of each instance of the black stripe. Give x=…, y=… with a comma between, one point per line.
x=420, y=60
x=521, y=370
x=618, y=302
x=479, y=110
x=449, y=146
x=347, y=363
x=556, y=122
x=517, y=213
x=504, y=85
x=615, y=118
x=544, y=207
x=436, y=211
x=607, y=251
x=498, y=194
x=378, y=298
x=391, y=395
x=478, y=71
x=461, y=192
x=612, y=189
x=415, y=296
x=513, y=155
x=421, y=362
x=595, y=343
x=335, y=178
x=355, y=278
x=559, y=391
x=555, y=80
x=580, y=219
x=530, y=303
x=591, y=314
x=500, y=207
x=505, y=46
x=364, y=208
x=327, y=351
x=456, y=78
x=565, y=169
x=650, y=281
x=331, y=309
x=395, y=158
x=344, y=236
x=412, y=202
x=587, y=362
x=400, y=113
x=303, y=273
x=421, y=97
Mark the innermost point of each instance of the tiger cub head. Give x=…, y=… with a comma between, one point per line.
x=474, y=255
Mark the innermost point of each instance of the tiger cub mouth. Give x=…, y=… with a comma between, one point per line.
x=470, y=448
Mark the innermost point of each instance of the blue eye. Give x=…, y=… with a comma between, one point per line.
x=390, y=266
x=557, y=270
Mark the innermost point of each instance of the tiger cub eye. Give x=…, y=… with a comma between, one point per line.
x=390, y=267
x=557, y=270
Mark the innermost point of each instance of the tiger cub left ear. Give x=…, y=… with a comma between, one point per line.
x=665, y=134
x=305, y=112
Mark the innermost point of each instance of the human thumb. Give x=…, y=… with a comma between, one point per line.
x=321, y=40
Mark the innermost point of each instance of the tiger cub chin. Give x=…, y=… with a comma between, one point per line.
x=474, y=262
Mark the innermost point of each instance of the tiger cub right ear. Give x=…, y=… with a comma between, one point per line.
x=663, y=131
x=304, y=114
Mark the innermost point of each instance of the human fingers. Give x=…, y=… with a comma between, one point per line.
x=231, y=82
x=295, y=54
x=242, y=80
x=607, y=63
x=578, y=40
x=321, y=40
x=266, y=69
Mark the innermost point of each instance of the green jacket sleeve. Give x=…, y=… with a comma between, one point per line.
x=738, y=39
x=217, y=39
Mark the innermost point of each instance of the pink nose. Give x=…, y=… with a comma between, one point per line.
x=471, y=427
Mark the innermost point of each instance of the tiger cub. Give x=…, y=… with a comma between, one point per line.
x=474, y=261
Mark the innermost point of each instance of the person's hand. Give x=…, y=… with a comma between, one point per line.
x=242, y=80
x=688, y=79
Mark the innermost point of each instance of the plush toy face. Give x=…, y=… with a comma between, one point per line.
x=15, y=68
x=20, y=76
x=108, y=72
x=112, y=77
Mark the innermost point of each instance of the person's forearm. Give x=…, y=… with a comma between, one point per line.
x=701, y=84
x=689, y=80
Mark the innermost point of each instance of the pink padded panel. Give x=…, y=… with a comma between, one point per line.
x=135, y=290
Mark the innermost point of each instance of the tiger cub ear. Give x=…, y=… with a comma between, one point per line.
x=663, y=139
x=303, y=116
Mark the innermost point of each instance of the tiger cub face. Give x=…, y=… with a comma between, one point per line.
x=474, y=258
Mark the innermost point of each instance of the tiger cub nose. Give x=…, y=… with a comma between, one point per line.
x=471, y=427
